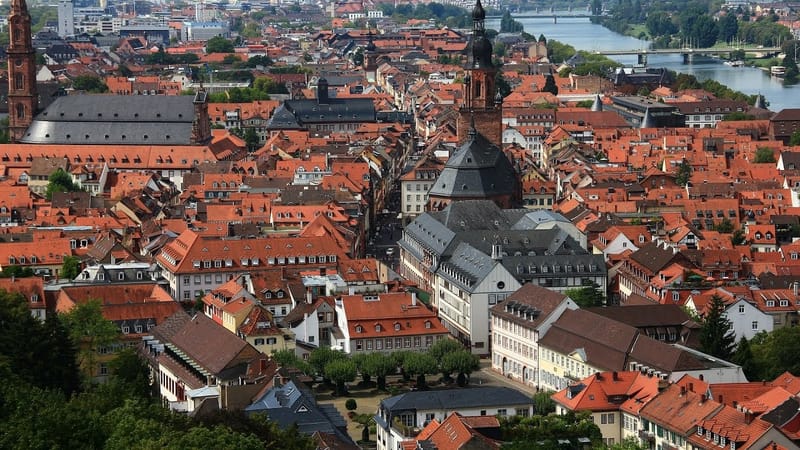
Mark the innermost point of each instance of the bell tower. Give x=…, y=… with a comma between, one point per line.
x=481, y=100
x=22, y=97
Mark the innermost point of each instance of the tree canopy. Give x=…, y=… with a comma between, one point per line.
x=219, y=44
x=60, y=181
x=44, y=405
x=716, y=334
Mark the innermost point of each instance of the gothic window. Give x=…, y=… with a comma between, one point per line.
x=19, y=81
x=20, y=111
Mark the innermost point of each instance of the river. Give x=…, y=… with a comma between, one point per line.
x=584, y=35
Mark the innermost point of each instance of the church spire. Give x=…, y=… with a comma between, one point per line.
x=22, y=96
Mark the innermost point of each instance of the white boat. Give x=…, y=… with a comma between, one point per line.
x=777, y=71
x=737, y=63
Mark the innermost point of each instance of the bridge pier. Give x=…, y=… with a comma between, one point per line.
x=687, y=57
x=555, y=19
x=642, y=59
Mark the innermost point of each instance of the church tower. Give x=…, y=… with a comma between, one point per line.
x=22, y=97
x=370, y=59
x=481, y=100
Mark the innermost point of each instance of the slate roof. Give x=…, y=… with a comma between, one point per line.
x=478, y=169
x=463, y=234
x=114, y=119
x=456, y=399
x=290, y=404
x=298, y=114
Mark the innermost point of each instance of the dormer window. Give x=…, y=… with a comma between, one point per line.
x=427, y=324
x=397, y=327
x=35, y=298
x=378, y=327
x=758, y=235
x=121, y=276
x=359, y=329
x=12, y=260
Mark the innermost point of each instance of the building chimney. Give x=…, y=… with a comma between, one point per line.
x=702, y=399
x=413, y=298
x=691, y=387
x=719, y=399
x=748, y=417
x=497, y=252
x=615, y=376
x=283, y=273
x=309, y=296
x=683, y=391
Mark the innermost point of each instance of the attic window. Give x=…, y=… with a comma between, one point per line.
x=396, y=327
x=359, y=329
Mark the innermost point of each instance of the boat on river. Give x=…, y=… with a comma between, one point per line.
x=737, y=63
x=777, y=71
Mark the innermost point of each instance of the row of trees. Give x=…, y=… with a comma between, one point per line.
x=446, y=357
x=47, y=404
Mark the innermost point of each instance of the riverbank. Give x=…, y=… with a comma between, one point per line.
x=582, y=34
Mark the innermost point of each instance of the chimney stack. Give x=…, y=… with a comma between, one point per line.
x=691, y=387
x=413, y=298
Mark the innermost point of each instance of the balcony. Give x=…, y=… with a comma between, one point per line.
x=646, y=436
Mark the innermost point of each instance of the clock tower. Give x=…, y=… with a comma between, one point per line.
x=22, y=97
x=482, y=104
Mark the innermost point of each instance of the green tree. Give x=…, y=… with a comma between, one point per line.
x=764, y=155
x=724, y=226
x=794, y=139
x=379, y=366
x=461, y=362
x=587, y=296
x=684, y=173
x=219, y=44
x=550, y=85
x=419, y=365
x=36, y=353
x=443, y=347
x=90, y=331
x=630, y=443
x=743, y=356
x=89, y=83
x=340, y=371
x=546, y=431
x=716, y=336
x=543, y=403
x=321, y=356
x=251, y=139
x=351, y=404
x=738, y=237
x=60, y=181
x=71, y=267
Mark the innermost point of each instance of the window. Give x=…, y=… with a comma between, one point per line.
x=359, y=329
x=502, y=412
x=396, y=327
x=126, y=329
x=389, y=343
x=754, y=325
x=741, y=309
x=121, y=276
x=359, y=345
x=378, y=328
x=138, y=328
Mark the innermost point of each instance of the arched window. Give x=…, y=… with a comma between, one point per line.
x=19, y=81
x=20, y=111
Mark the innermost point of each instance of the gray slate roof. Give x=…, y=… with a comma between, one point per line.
x=462, y=236
x=456, y=399
x=114, y=120
x=297, y=114
x=478, y=169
